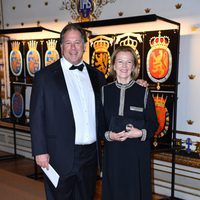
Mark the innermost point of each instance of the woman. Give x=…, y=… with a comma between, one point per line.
x=130, y=122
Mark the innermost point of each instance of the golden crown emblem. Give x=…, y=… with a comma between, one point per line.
x=159, y=101
x=18, y=89
x=191, y=76
x=129, y=42
x=179, y=142
x=51, y=44
x=32, y=44
x=197, y=150
x=101, y=43
x=190, y=122
x=160, y=41
x=15, y=45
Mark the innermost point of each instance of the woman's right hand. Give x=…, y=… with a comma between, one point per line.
x=121, y=136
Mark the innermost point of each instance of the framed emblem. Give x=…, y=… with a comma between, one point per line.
x=159, y=59
x=18, y=103
x=33, y=59
x=51, y=54
x=101, y=49
x=15, y=59
x=164, y=111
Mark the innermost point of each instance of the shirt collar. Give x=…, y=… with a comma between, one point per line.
x=66, y=64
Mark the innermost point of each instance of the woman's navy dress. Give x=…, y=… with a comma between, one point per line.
x=126, y=165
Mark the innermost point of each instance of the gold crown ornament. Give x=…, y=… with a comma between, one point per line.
x=160, y=41
x=160, y=101
x=129, y=42
x=15, y=45
x=51, y=44
x=18, y=89
x=32, y=44
x=197, y=150
x=101, y=43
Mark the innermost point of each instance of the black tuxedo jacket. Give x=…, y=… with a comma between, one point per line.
x=51, y=117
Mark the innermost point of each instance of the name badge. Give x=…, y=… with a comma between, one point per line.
x=134, y=108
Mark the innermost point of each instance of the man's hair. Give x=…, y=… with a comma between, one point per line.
x=72, y=26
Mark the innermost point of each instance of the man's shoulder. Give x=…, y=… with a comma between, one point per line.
x=95, y=72
x=49, y=68
x=89, y=67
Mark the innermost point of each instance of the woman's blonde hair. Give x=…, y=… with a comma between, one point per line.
x=136, y=70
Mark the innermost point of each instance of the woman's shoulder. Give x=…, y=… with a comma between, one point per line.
x=109, y=85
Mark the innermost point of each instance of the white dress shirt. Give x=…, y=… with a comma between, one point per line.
x=83, y=102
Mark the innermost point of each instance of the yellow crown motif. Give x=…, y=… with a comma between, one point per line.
x=32, y=44
x=15, y=45
x=191, y=76
x=160, y=41
x=190, y=122
x=197, y=150
x=159, y=101
x=129, y=42
x=101, y=43
x=179, y=142
x=51, y=44
x=18, y=88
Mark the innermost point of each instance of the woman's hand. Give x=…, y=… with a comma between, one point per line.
x=121, y=136
x=134, y=133
x=142, y=82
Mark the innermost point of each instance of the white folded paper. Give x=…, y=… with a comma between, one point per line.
x=52, y=175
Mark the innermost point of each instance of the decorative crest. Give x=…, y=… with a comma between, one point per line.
x=84, y=10
x=32, y=44
x=126, y=39
x=191, y=76
x=197, y=150
x=129, y=42
x=18, y=88
x=15, y=45
x=101, y=43
x=160, y=101
x=190, y=122
x=160, y=41
x=51, y=44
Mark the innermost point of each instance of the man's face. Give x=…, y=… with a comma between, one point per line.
x=73, y=47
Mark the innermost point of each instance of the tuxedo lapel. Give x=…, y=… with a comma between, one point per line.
x=61, y=85
x=93, y=78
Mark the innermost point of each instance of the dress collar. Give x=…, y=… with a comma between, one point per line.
x=124, y=86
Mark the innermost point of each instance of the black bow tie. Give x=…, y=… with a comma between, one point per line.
x=79, y=67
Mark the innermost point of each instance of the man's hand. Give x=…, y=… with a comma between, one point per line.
x=42, y=160
x=142, y=82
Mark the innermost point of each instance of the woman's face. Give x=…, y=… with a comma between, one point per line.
x=73, y=47
x=123, y=66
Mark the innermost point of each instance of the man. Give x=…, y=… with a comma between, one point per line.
x=64, y=110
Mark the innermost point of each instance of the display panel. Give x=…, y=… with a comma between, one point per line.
x=157, y=54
